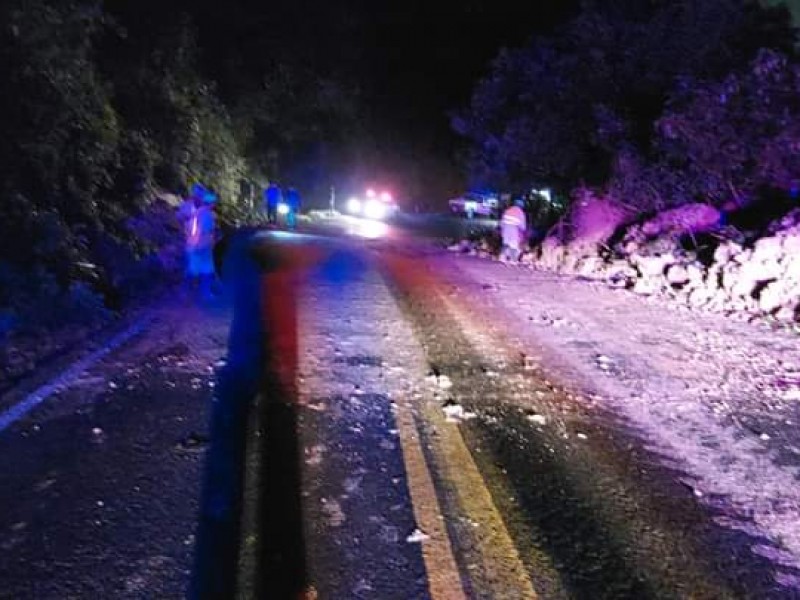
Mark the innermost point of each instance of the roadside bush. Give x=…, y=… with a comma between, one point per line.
x=46, y=304
x=94, y=123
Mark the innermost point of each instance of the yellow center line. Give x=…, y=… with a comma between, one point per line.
x=444, y=581
x=493, y=566
x=500, y=567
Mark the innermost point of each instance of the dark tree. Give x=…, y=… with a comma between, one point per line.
x=568, y=109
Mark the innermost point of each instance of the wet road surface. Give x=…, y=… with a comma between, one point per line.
x=372, y=435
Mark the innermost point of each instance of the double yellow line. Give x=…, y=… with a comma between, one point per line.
x=496, y=563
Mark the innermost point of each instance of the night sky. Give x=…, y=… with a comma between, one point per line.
x=412, y=61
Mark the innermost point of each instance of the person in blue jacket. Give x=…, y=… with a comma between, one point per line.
x=272, y=199
x=292, y=200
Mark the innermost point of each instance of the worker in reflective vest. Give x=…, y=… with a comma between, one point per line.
x=513, y=227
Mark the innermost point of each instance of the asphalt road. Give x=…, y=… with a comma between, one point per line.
x=332, y=429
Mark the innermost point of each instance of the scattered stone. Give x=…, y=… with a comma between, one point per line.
x=678, y=275
x=793, y=395
x=444, y=382
x=362, y=587
x=455, y=413
x=760, y=280
x=315, y=455
x=333, y=510
x=417, y=537
x=194, y=442
x=538, y=419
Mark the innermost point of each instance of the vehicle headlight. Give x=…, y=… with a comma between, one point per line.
x=283, y=208
x=375, y=210
x=354, y=205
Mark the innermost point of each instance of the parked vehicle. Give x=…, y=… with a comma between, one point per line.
x=474, y=204
x=373, y=205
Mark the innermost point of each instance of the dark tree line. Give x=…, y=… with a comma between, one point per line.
x=660, y=103
x=101, y=111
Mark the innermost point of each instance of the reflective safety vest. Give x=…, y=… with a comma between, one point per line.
x=201, y=229
x=513, y=225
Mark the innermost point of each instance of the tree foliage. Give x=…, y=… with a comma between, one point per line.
x=583, y=105
x=297, y=125
x=61, y=136
x=99, y=117
x=732, y=137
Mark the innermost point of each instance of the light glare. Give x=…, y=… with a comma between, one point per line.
x=374, y=210
x=354, y=206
